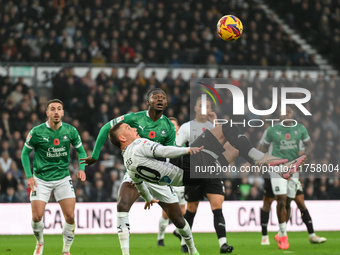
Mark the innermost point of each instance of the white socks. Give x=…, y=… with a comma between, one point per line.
x=68, y=236
x=255, y=154
x=222, y=241
x=282, y=229
x=187, y=236
x=38, y=229
x=162, y=224
x=123, y=228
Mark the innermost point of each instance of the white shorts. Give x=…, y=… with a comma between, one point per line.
x=62, y=189
x=162, y=193
x=180, y=194
x=281, y=186
x=294, y=185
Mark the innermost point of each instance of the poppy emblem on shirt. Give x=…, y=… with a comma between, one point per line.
x=203, y=129
x=152, y=134
x=287, y=136
x=56, y=141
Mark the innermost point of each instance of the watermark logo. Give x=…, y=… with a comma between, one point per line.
x=204, y=97
x=238, y=99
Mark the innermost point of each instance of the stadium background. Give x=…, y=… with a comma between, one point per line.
x=101, y=57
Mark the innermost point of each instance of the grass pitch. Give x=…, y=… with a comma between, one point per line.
x=244, y=243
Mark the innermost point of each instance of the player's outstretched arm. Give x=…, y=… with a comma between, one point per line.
x=195, y=150
x=101, y=138
x=171, y=151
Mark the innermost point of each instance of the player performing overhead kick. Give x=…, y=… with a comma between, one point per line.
x=140, y=155
x=151, y=124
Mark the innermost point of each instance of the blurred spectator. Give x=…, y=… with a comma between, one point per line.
x=8, y=180
x=230, y=194
x=5, y=161
x=21, y=193
x=9, y=196
x=98, y=194
x=80, y=196
x=334, y=190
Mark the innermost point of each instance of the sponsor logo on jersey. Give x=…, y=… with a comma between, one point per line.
x=152, y=134
x=56, y=152
x=28, y=138
x=163, y=132
x=288, y=144
x=165, y=179
x=277, y=188
x=119, y=119
x=142, y=128
x=56, y=141
x=46, y=138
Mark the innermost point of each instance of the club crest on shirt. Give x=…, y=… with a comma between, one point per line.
x=65, y=138
x=163, y=132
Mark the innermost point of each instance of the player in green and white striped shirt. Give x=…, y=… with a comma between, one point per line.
x=51, y=142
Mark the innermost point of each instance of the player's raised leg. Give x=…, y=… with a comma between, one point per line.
x=38, y=209
x=127, y=195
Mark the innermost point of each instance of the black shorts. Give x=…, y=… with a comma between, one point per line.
x=267, y=188
x=210, y=186
x=211, y=155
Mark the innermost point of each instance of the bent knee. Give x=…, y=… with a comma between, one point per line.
x=36, y=218
x=179, y=222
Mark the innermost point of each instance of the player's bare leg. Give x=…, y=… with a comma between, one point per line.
x=175, y=215
x=68, y=206
x=306, y=218
x=127, y=195
x=267, y=202
x=241, y=143
x=38, y=209
x=216, y=201
x=281, y=238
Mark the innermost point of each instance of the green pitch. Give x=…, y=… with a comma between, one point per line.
x=244, y=243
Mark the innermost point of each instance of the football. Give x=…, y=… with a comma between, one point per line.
x=229, y=28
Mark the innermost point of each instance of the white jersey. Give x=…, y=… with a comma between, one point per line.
x=141, y=165
x=190, y=130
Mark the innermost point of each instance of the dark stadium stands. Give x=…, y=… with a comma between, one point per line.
x=175, y=33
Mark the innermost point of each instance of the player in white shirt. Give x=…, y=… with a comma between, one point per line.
x=140, y=155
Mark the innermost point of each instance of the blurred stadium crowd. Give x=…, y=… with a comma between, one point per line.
x=317, y=21
x=166, y=32
x=159, y=32
x=92, y=102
